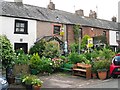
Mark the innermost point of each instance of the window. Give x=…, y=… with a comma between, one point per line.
x=56, y=29
x=21, y=27
x=117, y=36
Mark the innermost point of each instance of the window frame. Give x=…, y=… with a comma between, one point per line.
x=54, y=29
x=117, y=36
x=24, y=27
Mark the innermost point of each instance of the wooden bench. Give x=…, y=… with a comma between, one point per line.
x=82, y=70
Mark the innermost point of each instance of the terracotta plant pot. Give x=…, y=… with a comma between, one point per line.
x=102, y=75
x=94, y=75
x=36, y=87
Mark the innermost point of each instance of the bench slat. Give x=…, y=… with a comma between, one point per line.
x=76, y=69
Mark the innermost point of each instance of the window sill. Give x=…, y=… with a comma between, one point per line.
x=20, y=33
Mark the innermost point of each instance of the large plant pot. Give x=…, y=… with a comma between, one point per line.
x=102, y=75
x=11, y=79
x=36, y=87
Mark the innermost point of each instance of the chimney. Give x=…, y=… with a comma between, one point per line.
x=92, y=14
x=114, y=19
x=79, y=12
x=51, y=6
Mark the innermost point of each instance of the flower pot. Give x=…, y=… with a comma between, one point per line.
x=35, y=87
x=94, y=75
x=102, y=75
x=11, y=79
x=18, y=80
x=108, y=74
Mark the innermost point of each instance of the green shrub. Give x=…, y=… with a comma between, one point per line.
x=35, y=62
x=102, y=64
x=74, y=58
x=6, y=52
x=52, y=50
x=74, y=47
x=39, y=47
x=46, y=65
x=21, y=57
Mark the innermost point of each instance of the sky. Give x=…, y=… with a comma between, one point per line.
x=105, y=9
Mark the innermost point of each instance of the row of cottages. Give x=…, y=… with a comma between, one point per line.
x=25, y=24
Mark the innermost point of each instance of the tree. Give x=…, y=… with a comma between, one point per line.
x=84, y=42
x=6, y=51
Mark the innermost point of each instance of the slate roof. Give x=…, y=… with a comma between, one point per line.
x=13, y=9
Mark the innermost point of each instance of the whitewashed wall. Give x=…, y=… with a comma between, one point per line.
x=0, y=25
x=8, y=30
x=119, y=11
x=112, y=38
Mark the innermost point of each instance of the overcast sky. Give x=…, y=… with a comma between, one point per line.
x=106, y=9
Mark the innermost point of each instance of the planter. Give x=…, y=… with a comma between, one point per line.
x=94, y=75
x=36, y=87
x=108, y=74
x=20, y=68
x=28, y=87
x=18, y=80
x=11, y=79
x=102, y=75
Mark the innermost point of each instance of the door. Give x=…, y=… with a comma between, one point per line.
x=24, y=46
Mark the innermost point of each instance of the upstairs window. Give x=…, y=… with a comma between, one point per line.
x=56, y=29
x=21, y=27
x=117, y=36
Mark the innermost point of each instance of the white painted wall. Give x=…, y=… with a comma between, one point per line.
x=8, y=30
x=112, y=38
x=119, y=11
x=0, y=25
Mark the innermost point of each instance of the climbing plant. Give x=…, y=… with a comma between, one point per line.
x=76, y=30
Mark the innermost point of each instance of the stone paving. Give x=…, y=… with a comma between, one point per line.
x=62, y=80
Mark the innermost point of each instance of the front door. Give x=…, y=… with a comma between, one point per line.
x=24, y=46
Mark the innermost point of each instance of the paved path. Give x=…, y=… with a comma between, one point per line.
x=62, y=80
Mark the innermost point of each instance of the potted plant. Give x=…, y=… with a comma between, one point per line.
x=94, y=71
x=27, y=80
x=36, y=84
x=101, y=69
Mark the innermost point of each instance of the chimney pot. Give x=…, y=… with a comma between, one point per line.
x=92, y=14
x=114, y=19
x=20, y=1
x=79, y=12
x=51, y=6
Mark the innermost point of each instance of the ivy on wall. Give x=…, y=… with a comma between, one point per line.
x=76, y=30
